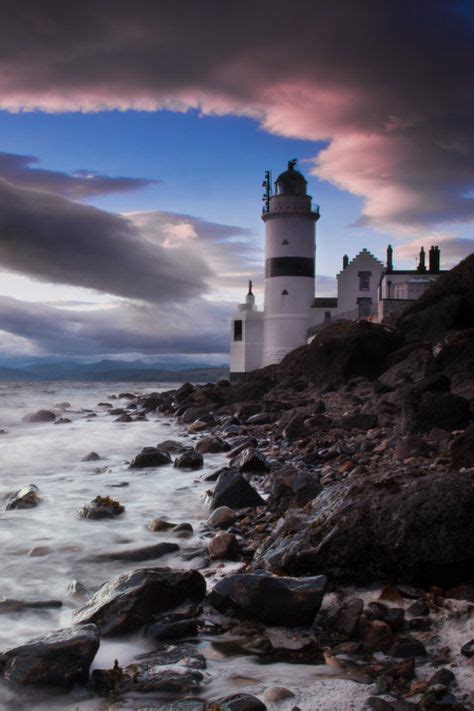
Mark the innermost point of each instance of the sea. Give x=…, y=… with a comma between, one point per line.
x=47, y=549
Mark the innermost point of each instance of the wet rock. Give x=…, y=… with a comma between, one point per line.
x=157, y=550
x=170, y=631
x=171, y=446
x=133, y=599
x=233, y=490
x=124, y=418
x=376, y=635
x=438, y=698
x=443, y=676
x=224, y=546
x=159, y=524
x=271, y=599
x=462, y=449
x=346, y=618
x=39, y=551
x=25, y=498
x=212, y=445
x=405, y=647
x=359, y=421
x=221, y=517
x=91, y=457
x=191, y=414
x=63, y=421
x=260, y=418
x=240, y=702
x=8, y=605
x=189, y=460
x=434, y=410
x=150, y=457
x=412, y=446
x=102, y=507
x=61, y=658
x=250, y=461
x=275, y=694
x=40, y=416
x=296, y=428
x=183, y=392
x=467, y=650
x=292, y=488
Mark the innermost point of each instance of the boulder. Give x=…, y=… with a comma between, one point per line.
x=296, y=428
x=240, y=702
x=171, y=446
x=150, y=457
x=212, y=445
x=60, y=658
x=40, y=416
x=221, y=517
x=462, y=449
x=250, y=460
x=25, y=498
x=431, y=410
x=411, y=366
x=102, y=507
x=359, y=421
x=292, y=488
x=234, y=491
x=189, y=460
x=224, y=546
x=183, y=392
x=152, y=552
x=270, y=599
x=91, y=457
x=133, y=599
x=159, y=524
x=417, y=531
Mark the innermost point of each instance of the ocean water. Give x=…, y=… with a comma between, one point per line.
x=45, y=548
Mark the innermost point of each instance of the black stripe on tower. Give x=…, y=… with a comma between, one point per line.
x=289, y=266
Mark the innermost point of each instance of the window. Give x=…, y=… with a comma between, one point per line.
x=364, y=281
x=285, y=241
x=237, y=330
x=284, y=292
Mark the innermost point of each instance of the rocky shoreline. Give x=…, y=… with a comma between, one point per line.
x=349, y=464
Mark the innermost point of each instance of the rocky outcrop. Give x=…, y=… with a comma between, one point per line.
x=61, y=658
x=133, y=599
x=234, y=491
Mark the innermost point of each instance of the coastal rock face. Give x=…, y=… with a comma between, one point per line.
x=270, y=599
x=418, y=531
x=131, y=600
x=25, y=498
x=150, y=457
x=61, y=658
x=234, y=491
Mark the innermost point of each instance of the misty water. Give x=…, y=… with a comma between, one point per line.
x=44, y=549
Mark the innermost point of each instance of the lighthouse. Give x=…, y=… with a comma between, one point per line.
x=290, y=244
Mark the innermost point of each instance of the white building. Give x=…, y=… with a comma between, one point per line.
x=366, y=288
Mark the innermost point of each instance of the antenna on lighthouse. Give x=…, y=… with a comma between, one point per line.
x=267, y=185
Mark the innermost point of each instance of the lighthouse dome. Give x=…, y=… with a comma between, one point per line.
x=291, y=182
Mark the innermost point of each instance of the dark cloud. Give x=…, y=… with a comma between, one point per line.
x=387, y=84
x=23, y=171
x=125, y=328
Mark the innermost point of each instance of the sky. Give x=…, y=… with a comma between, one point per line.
x=134, y=138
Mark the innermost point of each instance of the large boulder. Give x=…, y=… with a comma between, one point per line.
x=189, y=460
x=60, y=658
x=422, y=412
x=234, y=491
x=418, y=531
x=131, y=600
x=250, y=460
x=151, y=457
x=271, y=599
x=212, y=445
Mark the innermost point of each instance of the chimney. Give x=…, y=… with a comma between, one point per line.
x=345, y=261
x=421, y=264
x=389, y=258
x=434, y=260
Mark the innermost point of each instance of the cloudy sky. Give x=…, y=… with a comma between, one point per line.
x=134, y=137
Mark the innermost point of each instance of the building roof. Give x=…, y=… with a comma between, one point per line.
x=414, y=272
x=324, y=302
x=291, y=181
x=362, y=252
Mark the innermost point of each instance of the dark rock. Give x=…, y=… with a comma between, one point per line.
x=61, y=658
x=191, y=414
x=444, y=411
x=212, y=445
x=296, y=428
x=171, y=446
x=40, y=416
x=240, y=702
x=410, y=368
x=221, y=517
x=346, y=618
x=393, y=616
x=101, y=507
x=418, y=608
x=359, y=421
x=261, y=418
x=170, y=631
x=8, y=605
x=131, y=600
x=272, y=600
x=467, y=650
x=234, y=491
x=462, y=449
x=445, y=677
x=411, y=446
x=405, y=647
x=25, y=498
x=157, y=550
x=462, y=592
x=124, y=418
x=183, y=527
x=376, y=635
x=250, y=461
x=158, y=524
x=91, y=457
x=183, y=392
x=189, y=460
x=241, y=443
x=224, y=546
x=150, y=457
x=439, y=698
x=292, y=488
x=63, y=421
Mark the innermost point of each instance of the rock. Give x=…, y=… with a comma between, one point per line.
x=170, y=631
x=270, y=599
x=444, y=411
x=191, y=414
x=150, y=457
x=224, y=546
x=376, y=635
x=429, y=517
x=40, y=416
x=133, y=599
x=292, y=488
x=250, y=461
x=405, y=647
x=445, y=677
x=183, y=392
x=158, y=524
x=63, y=421
x=102, y=507
x=8, y=605
x=234, y=491
x=296, y=428
x=467, y=650
x=221, y=517
x=462, y=592
x=409, y=367
x=260, y=418
x=439, y=698
x=359, y=421
x=462, y=449
x=418, y=608
x=60, y=658
x=172, y=669
x=212, y=445
x=39, y=551
x=171, y=446
x=91, y=457
x=189, y=460
x=412, y=446
x=124, y=418
x=275, y=694
x=240, y=702
x=25, y=498
x=156, y=550
x=78, y=590
x=347, y=616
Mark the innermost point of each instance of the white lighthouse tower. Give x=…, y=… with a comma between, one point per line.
x=290, y=243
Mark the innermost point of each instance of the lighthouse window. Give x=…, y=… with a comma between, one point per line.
x=237, y=330
x=284, y=292
x=364, y=281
